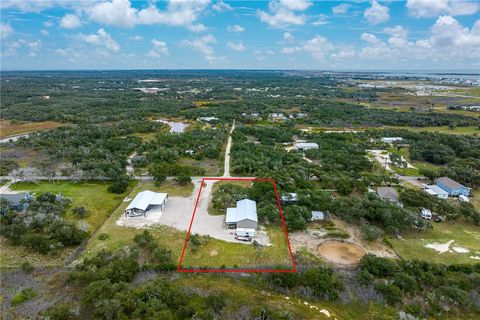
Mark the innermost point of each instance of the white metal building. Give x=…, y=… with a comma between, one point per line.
x=436, y=191
x=305, y=145
x=243, y=216
x=145, y=201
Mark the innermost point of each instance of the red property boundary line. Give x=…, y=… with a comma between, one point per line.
x=294, y=267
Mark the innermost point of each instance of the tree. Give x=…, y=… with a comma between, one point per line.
x=183, y=179
x=120, y=184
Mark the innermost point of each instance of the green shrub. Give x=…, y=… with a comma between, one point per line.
x=22, y=296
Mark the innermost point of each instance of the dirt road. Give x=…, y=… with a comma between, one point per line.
x=226, y=171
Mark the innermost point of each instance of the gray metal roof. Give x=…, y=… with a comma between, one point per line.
x=449, y=183
x=145, y=198
x=246, y=209
x=388, y=193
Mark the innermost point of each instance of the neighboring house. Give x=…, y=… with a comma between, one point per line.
x=452, y=187
x=277, y=116
x=289, y=198
x=436, y=191
x=244, y=216
x=317, y=216
x=389, y=194
x=17, y=201
x=145, y=201
x=305, y=145
x=391, y=139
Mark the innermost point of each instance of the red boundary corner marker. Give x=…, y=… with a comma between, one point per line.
x=294, y=268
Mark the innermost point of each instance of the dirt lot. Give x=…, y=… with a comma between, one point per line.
x=338, y=251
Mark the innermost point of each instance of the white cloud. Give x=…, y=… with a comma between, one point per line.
x=44, y=32
x=221, y=6
x=318, y=47
x=433, y=8
x=236, y=46
x=159, y=48
x=28, y=5
x=203, y=45
x=290, y=50
x=262, y=54
x=199, y=27
x=70, y=21
x=6, y=30
x=101, y=39
x=345, y=53
x=448, y=41
x=288, y=37
x=235, y=28
x=322, y=19
x=282, y=13
x=376, y=13
x=48, y=24
x=120, y=13
x=341, y=8
x=397, y=31
x=136, y=37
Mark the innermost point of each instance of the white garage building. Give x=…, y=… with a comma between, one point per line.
x=244, y=216
x=145, y=201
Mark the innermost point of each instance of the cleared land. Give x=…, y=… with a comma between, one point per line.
x=94, y=196
x=9, y=128
x=466, y=236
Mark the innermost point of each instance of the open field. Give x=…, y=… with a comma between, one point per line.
x=444, y=129
x=9, y=128
x=215, y=253
x=212, y=167
x=91, y=195
x=466, y=236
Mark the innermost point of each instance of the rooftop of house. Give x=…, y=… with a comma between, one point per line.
x=246, y=209
x=146, y=198
x=449, y=183
x=388, y=193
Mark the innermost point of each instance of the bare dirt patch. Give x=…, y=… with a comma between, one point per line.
x=340, y=252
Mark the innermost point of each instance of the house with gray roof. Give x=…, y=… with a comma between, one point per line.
x=145, y=201
x=243, y=216
x=17, y=201
x=389, y=194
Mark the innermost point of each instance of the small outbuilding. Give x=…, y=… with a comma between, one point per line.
x=317, y=216
x=436, y=191
x=145, y=201
x=290, y=197
x=391, y=139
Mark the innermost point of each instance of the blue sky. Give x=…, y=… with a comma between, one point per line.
x=276, y=34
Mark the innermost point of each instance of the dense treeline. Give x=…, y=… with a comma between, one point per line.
x=42, y=226
x=423, y=289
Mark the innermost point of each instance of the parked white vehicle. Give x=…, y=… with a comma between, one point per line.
x=463, y=198
x=426, y=214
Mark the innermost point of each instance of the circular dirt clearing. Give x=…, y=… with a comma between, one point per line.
x=341, y=252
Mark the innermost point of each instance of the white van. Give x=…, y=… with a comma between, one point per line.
x=463, y=198
x=426, y=214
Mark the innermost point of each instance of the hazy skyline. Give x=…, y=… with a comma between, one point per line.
x=277, y=34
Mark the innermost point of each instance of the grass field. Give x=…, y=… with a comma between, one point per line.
x=9, y=128
x=214, y=253
x=444, y=129
x=464, y=235
x=91, y=195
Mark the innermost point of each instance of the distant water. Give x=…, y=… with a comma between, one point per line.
x=177, y=127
